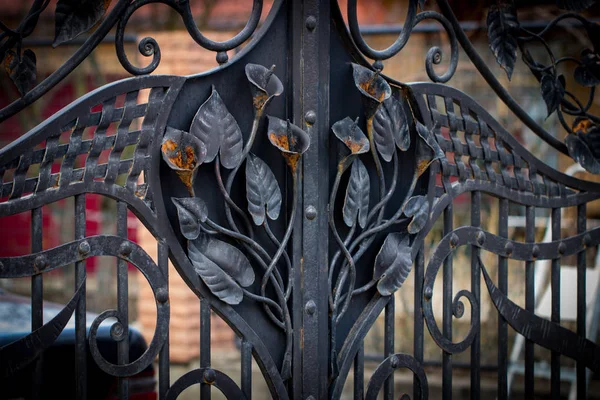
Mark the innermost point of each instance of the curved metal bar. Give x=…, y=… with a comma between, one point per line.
x=241, y=37
x=207, y=376
x=19, y=354
x=387, y=368
x=411, y=16
x=543, y=332
x=79, y=250
x=487, y=74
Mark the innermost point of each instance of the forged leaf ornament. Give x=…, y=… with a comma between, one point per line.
x=588, y=73
x=22, y=72
x=190, y=211
x=584, y=144
x=389, y=127
x=428, y=150
x=356, y=203
x=417, y=208
x=553, y=91
x=74, y=17
x=222, y=267
x=502, y=27
x=393, y=263
x=262, y=190
x=219, y=131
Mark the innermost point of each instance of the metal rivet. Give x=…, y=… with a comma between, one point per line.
x=458, y=309
x=310, y=117
x=587, y=240
x=117, y=332
x=210, y=376
x=310, y=212
x=394, y=362
x=428, y=293
x=508, y=248
x=535, y=251
x=222, y=57
x=310, y=397
x=378, y=65
x=125, y=249
x=162, y=296
x=1, y=266
x=311, y=23
x=453, y=240
x=562, y=247
x=310, y=307
x=84, y=247
x=480, y=238
x=437, y=57
x=40, y=262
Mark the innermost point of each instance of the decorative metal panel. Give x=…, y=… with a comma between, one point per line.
x=293, y=188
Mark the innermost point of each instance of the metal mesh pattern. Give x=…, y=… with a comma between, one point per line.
x=124, y=133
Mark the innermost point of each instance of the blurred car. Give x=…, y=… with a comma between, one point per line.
x=58, y=363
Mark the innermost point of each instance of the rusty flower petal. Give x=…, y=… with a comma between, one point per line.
x=584, y=145
x=428, y=149
x=287, y=137
x=351, y=135
x=183, y=152
x=265, y=84
x=372, y=86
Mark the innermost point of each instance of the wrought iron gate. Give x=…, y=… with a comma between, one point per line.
x=293, y=188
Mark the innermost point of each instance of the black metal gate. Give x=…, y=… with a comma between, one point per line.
x=293, y=188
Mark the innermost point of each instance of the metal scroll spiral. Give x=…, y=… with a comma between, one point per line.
x=434, y=55
x=149, y=47
x=214, y=136
x=103, y=245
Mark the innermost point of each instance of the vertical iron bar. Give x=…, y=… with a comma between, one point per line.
x=122, y=302
x=309, y=64
x=204, y=344
x=37, y=298
x=418, y=329
x=555, y=316
x=447, y=314
x=359, y=373
x=164, y=380
x=529, y=301
x=80, y=317
x=475, y=289
x=390, y=311
x=581, y=302
x=503, y=287
x=247, y=369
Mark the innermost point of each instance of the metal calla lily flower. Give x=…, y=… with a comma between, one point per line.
x=289, y=139
x=184, y=153
x=264, y=85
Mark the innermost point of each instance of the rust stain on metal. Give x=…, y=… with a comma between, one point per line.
x=186, y=178
x=370, y=87
x=583, y=125
x=292, y=160
x=422, y=166
x=353, y=145
x=259, y=100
